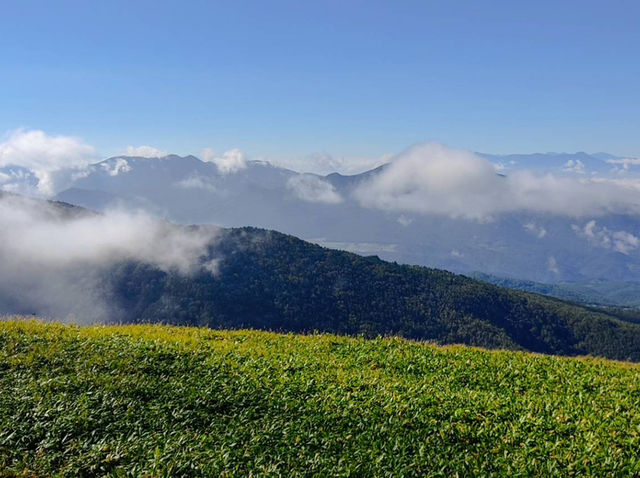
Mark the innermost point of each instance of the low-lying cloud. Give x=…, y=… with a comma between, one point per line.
x=620, y=241
x=312, y=188
x=432, y=179
x=52, y=259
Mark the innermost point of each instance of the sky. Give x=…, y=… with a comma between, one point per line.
x=353, y=79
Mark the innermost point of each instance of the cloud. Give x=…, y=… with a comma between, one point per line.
x=623, y=164
x=197, y=181
x=116, y=166
x=404, y=220
x=146, y=152
x=432, y=179
x=620, y=241
x=538, y=231
x=574, y=166
x=52, y=258
x=44, y=155
x=312, y=188
x=230, y=161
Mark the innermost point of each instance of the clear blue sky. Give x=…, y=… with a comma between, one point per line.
x=346, y=77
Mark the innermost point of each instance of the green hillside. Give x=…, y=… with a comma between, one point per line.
x=268, y=280
x=271, y=281
x=164, y=401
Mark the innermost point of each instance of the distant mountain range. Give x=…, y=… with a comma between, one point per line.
x=248, y=277
x=544, y=244
x=625, y=294
x=539, y=246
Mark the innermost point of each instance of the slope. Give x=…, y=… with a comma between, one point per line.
x=159, y=401
x=272, y=281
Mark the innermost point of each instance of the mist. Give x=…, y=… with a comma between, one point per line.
x=53, y=257
x=433, y=179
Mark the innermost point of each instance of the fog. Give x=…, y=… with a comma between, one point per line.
x=52, y=257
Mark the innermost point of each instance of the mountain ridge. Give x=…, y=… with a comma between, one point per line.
x=536, y=246
x=256, y=278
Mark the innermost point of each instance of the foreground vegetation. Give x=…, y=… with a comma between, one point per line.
x=166, y=401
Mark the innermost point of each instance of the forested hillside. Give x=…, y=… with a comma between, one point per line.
x=137, y=269
x=268, y=280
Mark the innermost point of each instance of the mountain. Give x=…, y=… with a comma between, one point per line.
x=538, y=246
x=256, y=278
x=596, y=292
x=577, y=163
x=268, y=280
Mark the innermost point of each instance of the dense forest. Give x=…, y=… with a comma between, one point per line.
x=267, y=280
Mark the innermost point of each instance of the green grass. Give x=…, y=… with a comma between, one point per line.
x=166, y=401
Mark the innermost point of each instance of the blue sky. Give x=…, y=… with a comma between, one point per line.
x=353, y=79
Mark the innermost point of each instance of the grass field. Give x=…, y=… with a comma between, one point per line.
x=164, y=401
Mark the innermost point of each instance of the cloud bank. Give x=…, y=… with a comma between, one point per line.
x=432, y=179
x=43, y=155
x=53, y=258
x=312, y=188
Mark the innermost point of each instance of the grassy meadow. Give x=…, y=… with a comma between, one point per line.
x=169, y=401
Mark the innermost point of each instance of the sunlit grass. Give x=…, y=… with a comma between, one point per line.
x=169, y=401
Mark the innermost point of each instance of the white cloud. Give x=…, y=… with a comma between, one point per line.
x=574, y=166
x=196, y=181
x=625, y=242
x=624, y=164
x=230, y=162
x=619, y=241
x=538, y=231
x=432, y=179
x=37, y=232
x=44, y=155
x=145, y=152
x=52, y=259
x=116, y=166
x=312, y=188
